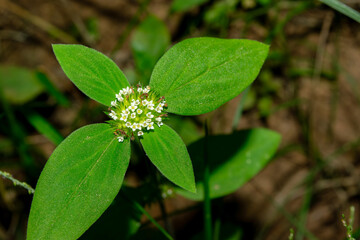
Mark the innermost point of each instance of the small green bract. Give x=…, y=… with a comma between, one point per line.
x=135, y=111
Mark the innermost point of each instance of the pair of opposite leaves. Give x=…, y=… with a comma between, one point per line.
x=85, y=172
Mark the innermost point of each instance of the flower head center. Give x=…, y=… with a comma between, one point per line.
x=136, y=110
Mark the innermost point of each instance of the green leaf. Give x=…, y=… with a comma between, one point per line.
x=184, y=5
x=78, y=183
x=168, y=153
x=343, y=8
x=93, y=73
x=200, y=74
x=44, y=127
x=148, y=44
x=19, y=85
x=233, y=159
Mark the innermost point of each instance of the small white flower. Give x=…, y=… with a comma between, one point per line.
x=128, y=124
x=144, y=102
x=148, y=120
x=133, y=108
x=144, y=124
x=113, y=115
x=140, y=133
x=139, y=111
x=158, y=119
x=150, y=105
x=135, y=102
x=160, y=124
x=138, y=126
x=133, y=115
x=123, y=118
x=113, y=103
x=147, y=89
x=120, y=138
x=125, y=112
x=158, y=109
x=134, y=127
x=149, y=115
x=119, y=97
x=139, y=90
x=150, y=126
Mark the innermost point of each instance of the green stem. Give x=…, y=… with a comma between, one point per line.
x=207, y=200
x=143, y=211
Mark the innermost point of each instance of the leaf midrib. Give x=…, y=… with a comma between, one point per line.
x=78, y=187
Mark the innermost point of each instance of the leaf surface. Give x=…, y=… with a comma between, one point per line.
x=92, y=72
x=168, y=153
x=198, y=75
x=233, y=159
x=78, y=183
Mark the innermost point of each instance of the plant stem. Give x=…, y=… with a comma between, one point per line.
x=143, y=211
x=17, y=182
x=207, y=200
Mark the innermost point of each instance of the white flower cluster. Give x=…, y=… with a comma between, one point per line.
x=135, y=111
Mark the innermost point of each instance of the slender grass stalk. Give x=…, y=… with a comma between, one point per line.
x=207, y=200
x=17, y=182
x=143, y=211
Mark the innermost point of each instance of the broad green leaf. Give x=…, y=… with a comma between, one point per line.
x=119, y=221
x=93, y=73
x=343, y=8
x=184, y=5
x=44, y=127
x=168, y=153
x=200, y=74
x=19, y=85
x=149, y=42
x=78, y=183
x=233, y=159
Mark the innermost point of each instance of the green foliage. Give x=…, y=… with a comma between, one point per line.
x=19, y=85
x=184, y=5
x=200, y=74
x=91, y=71
x=343, y=8
x=168, y=153
x=85, y=172
x=45, y=128
x=78, y=183
x=233, y=159
x=148, y=44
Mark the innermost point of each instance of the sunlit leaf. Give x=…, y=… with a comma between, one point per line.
x=200, y=74
x=93, y=73
x=78, y=183
x=168, y=153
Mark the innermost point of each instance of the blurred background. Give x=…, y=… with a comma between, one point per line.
x=308, y=91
